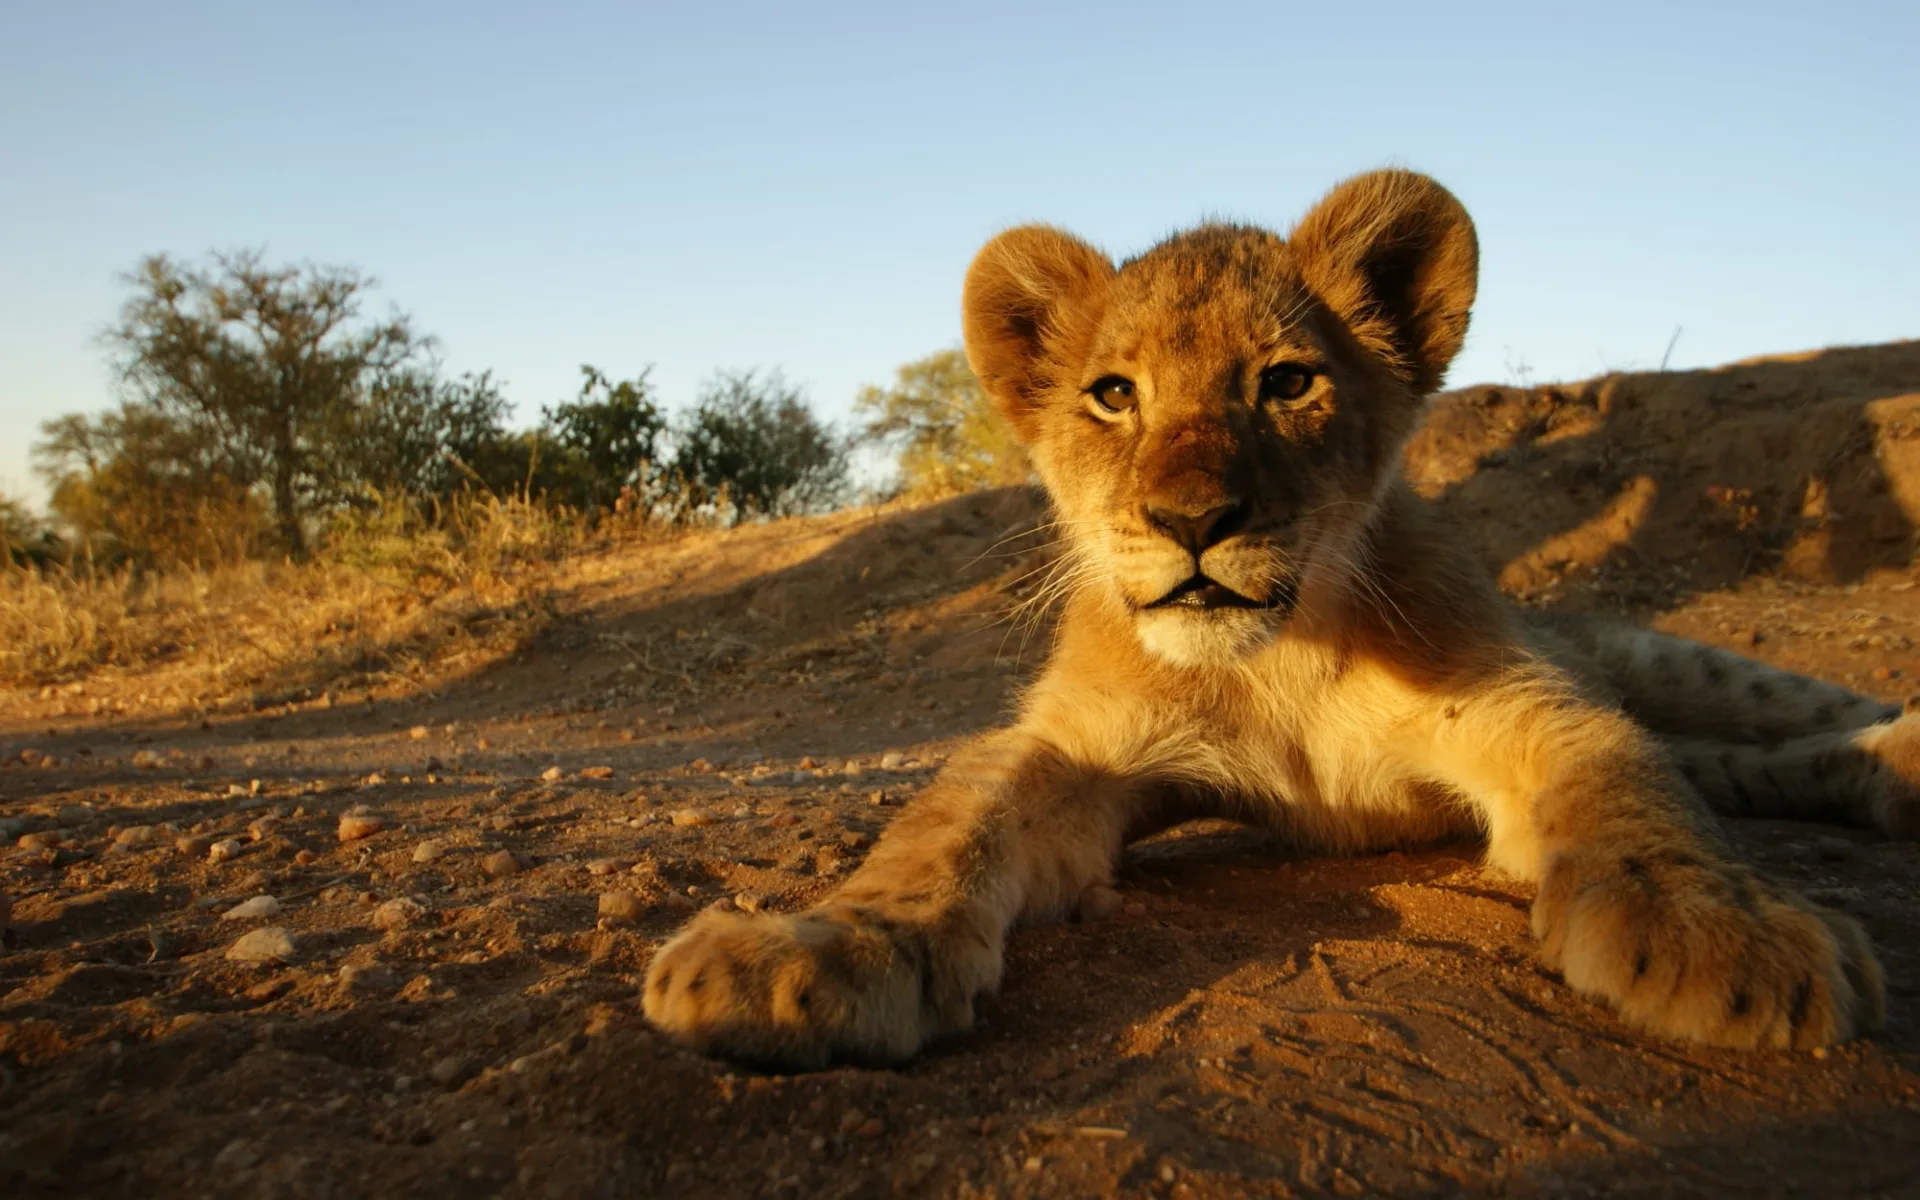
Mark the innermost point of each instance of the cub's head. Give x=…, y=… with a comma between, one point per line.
x=1217, y=419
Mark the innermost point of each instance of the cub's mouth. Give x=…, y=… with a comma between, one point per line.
x=1206, y=595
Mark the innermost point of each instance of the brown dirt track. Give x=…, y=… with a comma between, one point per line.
x=1251, y=1023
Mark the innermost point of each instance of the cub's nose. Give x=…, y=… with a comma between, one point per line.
x=1197, y=528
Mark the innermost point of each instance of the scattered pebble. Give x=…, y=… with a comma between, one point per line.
x=1834, y=849
x=502, y=863
x=552, y=775
x=892, y=760
x=451, y=1071
x=418, y=733
x=751, y=902
x=355, y=826
x=224, y=850
x=596, y=773
x=135, y=835
x=1099, y=902
x=261, y=828
x=429, y=850
x=621, y=908
x=260, y=908
x=44, y=840
x=691, y=816
x=607, y=866
x=305, y=858
x=194, y=845
x=267, y=945
x=373, y=978
x=398, y=913
x=75, y=814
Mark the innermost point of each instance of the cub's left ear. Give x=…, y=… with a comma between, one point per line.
x=1394, y=255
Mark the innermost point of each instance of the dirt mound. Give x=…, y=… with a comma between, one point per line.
x=733, y=717
x=1640, y=489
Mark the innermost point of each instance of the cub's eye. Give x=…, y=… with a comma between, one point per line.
x=1288, y=381
x=1112, y=394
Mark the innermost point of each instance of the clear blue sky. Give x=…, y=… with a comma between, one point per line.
x=712, y=185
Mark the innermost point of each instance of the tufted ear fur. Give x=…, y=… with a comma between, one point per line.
x=1393, y=254
x=1031, y=299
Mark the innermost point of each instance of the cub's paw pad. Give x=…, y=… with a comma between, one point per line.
x=792, y=992
x=1708, y=952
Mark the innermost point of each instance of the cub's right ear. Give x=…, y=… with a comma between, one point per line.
x=1028, y=310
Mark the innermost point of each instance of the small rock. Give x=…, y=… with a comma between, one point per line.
x=621, y=908
x=607, y=866
x=892, y=760
x=355, y=826
x=501, y=863
x=552, y=775
x=685, y=817
x=74, y=814
x=751, y=902
x=268, y=945
x=44, y=840
x=224, y=850
x=451, y=1071
x=144, y=758
x=1834, y=849
x=134, y=835
x=418, y=733
x=260, y=908
x=305, y=858
x=194, y=846
x=596, y=773
x=261, y=828
x=1886, y=674
x=429, y=850
x=398, y=913
x=879, y=800
x=375, y=978
x=1099, y=902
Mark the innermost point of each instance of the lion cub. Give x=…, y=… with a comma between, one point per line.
x=1266, y=624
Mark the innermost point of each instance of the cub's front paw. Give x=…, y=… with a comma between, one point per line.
x=793, y=992
x=1706, y=950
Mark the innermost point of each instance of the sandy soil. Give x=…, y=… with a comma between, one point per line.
x=732, y=718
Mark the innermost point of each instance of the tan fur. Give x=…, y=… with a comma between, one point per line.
x=1346, y=673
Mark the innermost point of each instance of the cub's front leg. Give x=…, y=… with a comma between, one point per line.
x=1640, y=903
x=896, y=956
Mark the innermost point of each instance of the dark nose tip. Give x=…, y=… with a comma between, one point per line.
x=1199, y=530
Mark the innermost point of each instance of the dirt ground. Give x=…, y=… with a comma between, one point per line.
x=732, y=718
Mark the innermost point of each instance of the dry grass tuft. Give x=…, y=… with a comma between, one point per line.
x=397, y=593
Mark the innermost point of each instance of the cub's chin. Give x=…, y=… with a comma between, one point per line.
x=1202, y=637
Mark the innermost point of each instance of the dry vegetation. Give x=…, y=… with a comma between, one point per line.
x=394, y=596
